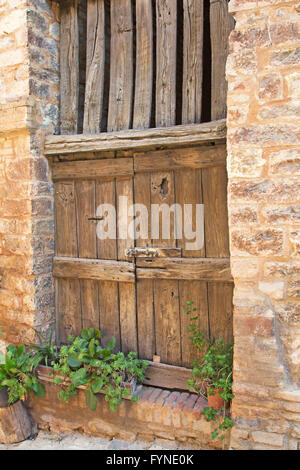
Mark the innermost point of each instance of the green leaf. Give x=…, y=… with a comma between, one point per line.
x=111, y=343
x=39, y=390
x=73, y=361
x=91, y=400
x=97, y=385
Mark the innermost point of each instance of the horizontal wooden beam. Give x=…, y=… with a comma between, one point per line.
x=93, y=169
x=176, y=136
x=101, y=270
x=173, y=159
x=157, y=375
x=166, y=376
x=201, y=269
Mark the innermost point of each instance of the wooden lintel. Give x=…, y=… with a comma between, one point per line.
x=162, y=137
x=105, y=270
x=173, y=159
x=93, y=169
x=201, y=269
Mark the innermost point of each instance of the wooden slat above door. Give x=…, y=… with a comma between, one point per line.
x=176, y=136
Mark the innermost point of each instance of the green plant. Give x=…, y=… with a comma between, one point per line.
x=212, y=373
x=46, y=351
x=17, y=374
x=85, y=362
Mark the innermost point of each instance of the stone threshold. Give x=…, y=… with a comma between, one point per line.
x=159, y=414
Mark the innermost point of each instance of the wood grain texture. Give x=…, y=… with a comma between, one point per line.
x=167, y=321
x=192, y=291
x=176, y=159
x=214, y=182
x=192, y=61
x=80, y=268
x=176, y=136
x=185, y=269
x=166, y=53
x=68, y=306
x=167, y=376
x=87, y=248
x=220, y=310
x=92, y=169
x=221, y=24
x=144, y=65
x=121, y=63
x=95, y=63
x=15, y=424
x=69, y=59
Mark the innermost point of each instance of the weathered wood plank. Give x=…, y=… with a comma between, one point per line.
x=214, y=181
x=167, y=376
x=95, y=64
x=220, y=310
x=166, y=53
x=189, y=192
x=68, y=307
x=185, y=269
x=176, y=159
x=137, y=139
x=192, y=61
x=15, y=424
x=192, y=291
x=80, y=268
x=144, y=65
x=92, y=169
x=107, y=250
x=87, y=248
x=69, y=59
x=167, y=321
x=221, y=24
x=121, y=61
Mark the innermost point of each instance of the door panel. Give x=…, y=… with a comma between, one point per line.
x=115, y=284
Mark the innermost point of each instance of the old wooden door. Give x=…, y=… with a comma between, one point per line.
x=113, y=283
x=143, y=64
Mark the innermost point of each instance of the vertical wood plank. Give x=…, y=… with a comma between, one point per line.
x=220, y=310
x=221, y=24
x=216, y=212
x=192, y=61
x=87, y=248
x=163, y=192
x=144, y=287
x=192, y=291
x=108, y=291
x=119, y=118
x=217, y=246
x=127, y=291
x=121, y=72
x=95, y=63
x=167, y=321
x=67, y=290
x=144, y=65
x=69, y=59
x=188, y=186
x=166, y=53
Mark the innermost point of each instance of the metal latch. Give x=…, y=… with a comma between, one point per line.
x=142, y=253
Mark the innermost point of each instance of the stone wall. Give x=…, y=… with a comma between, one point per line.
x=29, y=93
x=263, y=72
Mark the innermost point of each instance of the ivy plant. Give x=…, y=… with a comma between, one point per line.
x=211, y=373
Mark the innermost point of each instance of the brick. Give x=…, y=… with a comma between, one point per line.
x=293, y=84
x=286, y=57
x=266, y=242
x=270, y=87
x=254, y=326
x=285, y=162
x=271, y=439
x=245, y=162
